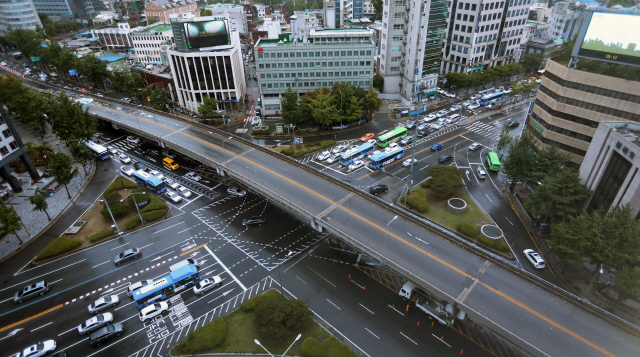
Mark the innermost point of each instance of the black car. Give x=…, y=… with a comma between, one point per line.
x=105, y=334
x=406, y=141
x=140, y=166
x=375, y=189
x=254, y=221
x=445, y=158
x=423, y=132
x=512, y=124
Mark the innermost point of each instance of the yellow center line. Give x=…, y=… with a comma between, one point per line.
x=30, y=318
x=194, y=249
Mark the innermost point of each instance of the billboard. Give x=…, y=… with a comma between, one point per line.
x=610, y=37
x=207, y=34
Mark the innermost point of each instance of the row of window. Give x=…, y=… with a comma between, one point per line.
x=629, y=97
x=557, y=129
x=590, y=106
x=313, y=84
x=565, y=116
x=315, y=74
x=561, y=146
x=7, y=133
x=514, y=23
x=314, y=54
x=315, y=64
x=466, y=6
x=4, y=151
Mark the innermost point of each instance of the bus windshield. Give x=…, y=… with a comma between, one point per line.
x=397, y=134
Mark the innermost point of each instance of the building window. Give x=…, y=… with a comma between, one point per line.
x=7, y=133
x=13, y=145
x=4, y=151
x=612, y=179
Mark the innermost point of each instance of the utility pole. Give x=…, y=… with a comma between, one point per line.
x=413, y=155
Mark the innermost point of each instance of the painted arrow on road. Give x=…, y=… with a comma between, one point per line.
x=223, y=295
x=467, y=171
x=11, y=333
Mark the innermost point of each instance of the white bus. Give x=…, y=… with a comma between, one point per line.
x=98, y=150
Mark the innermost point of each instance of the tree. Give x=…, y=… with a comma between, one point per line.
x=444, y=179
x=531, y=62
x=81, y=154
x=70, y=122
x=324, y=112
x=377, y=6
x=348, y=104
x=260, y=22
x=206, y=12
x=520, y=160
x=549, y=160
x=66, y=62
x=157, y=94
x=94, y=69
x=39, y=202
x=127, y=82
x=152, y=20
x=372, y=102
x=504, y=139
x=457, y=80
x=26, y=40
x=378, y=82
x=208, y=107
x=10, y=222
x=61, y=167
x=38, y=152
x=276, y=316
x=627, y=283
x=291, y=112
x=32, y=108
x=522, y=88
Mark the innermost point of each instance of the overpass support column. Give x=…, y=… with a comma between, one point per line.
x=316, y=226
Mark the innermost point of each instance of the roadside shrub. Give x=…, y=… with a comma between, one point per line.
x=154, y=204
x=262, y=132
x=155, y=215
x=120, y=183
x=426, y=183
x=500, y=245
x=118, y=209
x=331, y=347
x=467, y=229
x=112, y=197
x=133, y=222
x=59, y=246
x=277, y=316
x=205, y=339
x=251, y=304
x=101, y=235
x=327, y=143
x=418, y=200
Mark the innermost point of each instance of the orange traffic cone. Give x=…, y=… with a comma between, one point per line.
x=393, y=307
x=461, y=351
x=334, y=260
x=418, y=324
x=364, y=288
x=442, y=338
x=349, y=276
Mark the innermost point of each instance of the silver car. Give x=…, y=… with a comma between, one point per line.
x=103, y=303
x=236, y=191
x=95, y=323
x=207, y=284
x=171, y=183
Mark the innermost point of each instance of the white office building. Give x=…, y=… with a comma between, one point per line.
x=18, y=14
x=148, y=42
x=483, y=34
x=261, y=10
x=563, y=23
x=302, y=23
x=234, y=13
x=114, y=37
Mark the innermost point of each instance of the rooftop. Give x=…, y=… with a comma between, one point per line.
x=628, y=130
x=157, y=28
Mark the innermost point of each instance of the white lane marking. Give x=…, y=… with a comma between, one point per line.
x=119, y=246
x=146, y=246
x=23, y=283
x=505, y=217
x=396, y=310
x=123, y=306
x=301, y=280
x=366, y=309
x=323, y=277
x=53, y=282
x=488, y=197
x=336, y=306
x=184, y=205
x=167, y=228
x=6, y=300
x=225, y=268
x=374, y=335
x=410, y=339
x=436, y=338
x=100, y=264
x=37, y=328
x=160, y=257
x=75, y=328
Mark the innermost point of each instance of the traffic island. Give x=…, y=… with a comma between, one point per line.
x=304, y=149
x=271, y=319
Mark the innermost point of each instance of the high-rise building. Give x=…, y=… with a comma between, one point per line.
x=234, y=13
x=18, y=14
x=411, y=45
x=60, y=9
x=11, y=148
x=302, y=23
x=482, y=34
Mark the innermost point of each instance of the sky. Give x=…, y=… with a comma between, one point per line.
x=616, y=28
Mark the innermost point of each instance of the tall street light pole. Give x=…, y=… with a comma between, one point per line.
x=136, y=203
x=294, y=341
x=386, y=234
x=111, y=214
x=258, y=343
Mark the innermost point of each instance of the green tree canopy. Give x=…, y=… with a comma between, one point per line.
x=69, y=121
x=378, y=82
x=39, y=202
x=522, y=88
x=377, y=6
x=61, y=167
x=520, y=160
x=549, y=160
x=627, y=283
x=456, y=80
x=208, y=107
x=94, y=69
x=345, y=100
x=324, y=112
x=26, y=40
x=10, y=221
x=81, y=154
x=444, y=180
x=372, y=102
x=291, y=112
x=531, y=62
x=127, y=82
x=505, y=138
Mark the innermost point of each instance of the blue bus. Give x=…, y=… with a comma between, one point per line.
x=150, y=182
x=178, y=280
x=357, y=153
x=490, y=98
x=382, y=158
x=98, y=150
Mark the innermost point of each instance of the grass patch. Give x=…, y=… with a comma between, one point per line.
x=304, y=149
x=59, y=246
x=101, y=235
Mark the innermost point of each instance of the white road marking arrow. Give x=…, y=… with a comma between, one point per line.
x=223, y=294
x=11, y=333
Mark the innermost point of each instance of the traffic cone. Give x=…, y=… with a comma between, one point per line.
x=461, y=351
x=334, y=260
x=393, y=307
x=442, y=338
x=418, y=324
x=364, y=288
x=349, y=276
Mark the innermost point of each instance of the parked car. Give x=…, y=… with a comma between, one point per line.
x=133, y=139
x=183, y=191
x=37, y=350
x=103, y=303
x=476, y=96
x=236, y=191
x=445, y=158
x=253, y=221
x=140, y=166
x=338, y=149
x=323, y=155
x=95, y=323
x=406, y=141
x=474, y=146
x=356, y=164
x=332, y=159
x=437, y=126
x=171, y=183
x=375, y=189
x=422, y=126
x=137, y=285
x=455, y=108
x=154, y=310
x=207, y=284
x=408, y=162
x=157, y=174
x=174, y=197
x=473, y=106
x=31, y=291
x=124, y=158
x=481, y=173
x=437, y=147
x=192, y=176
x=450, y=95
x=104, y=334
x=127, y=255
x=367, y=136
x=507, y=91
x=127, y=170
x=534, y=258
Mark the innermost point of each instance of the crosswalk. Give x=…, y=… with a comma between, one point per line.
x=123, y=145
x=486, y=130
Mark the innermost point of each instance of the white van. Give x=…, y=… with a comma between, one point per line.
x=179, y=265
x=453, y=118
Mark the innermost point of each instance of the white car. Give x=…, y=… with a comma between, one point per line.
x=339, y=149
x=534, y=258
x=133, y=140
x=323, y=155
x=157, y=174
x=391, y=147
x=442, y=113
x=450, y=95
x=171, y=183
x=103, y=303
x=127, y=170
x=466, y=103
x=422, y=126
x=3, y=63
x=154, y=310
x=501, y=88
x=456, y=107
x=184, y=191
x=507, y=91
x=332, y=159
x=39, y=349
x=207, y=284
x=430, y=117
x=124, y=158
x=408, y=162
x=173, y=196
x=437, y=126
x=192, y=176
x=112, y=150
x=372, y=141
x=473, y=106
x=476, y=96
x=95, y=323
x=474, y=146
x=99, y=94
x=355, y=165
x=481, y=173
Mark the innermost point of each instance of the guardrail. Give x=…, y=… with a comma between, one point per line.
x=440, y=231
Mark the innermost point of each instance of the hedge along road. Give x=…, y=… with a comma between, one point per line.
x=509, y=301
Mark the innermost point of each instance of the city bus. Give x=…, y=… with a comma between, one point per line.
x=490, y=98
x=149, y=182
x=357, y=153
x=383, y=158
x=493, y=161
x=162, y=289
x=98, y=150
x=391, y=137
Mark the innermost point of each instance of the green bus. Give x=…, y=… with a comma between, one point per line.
x=493, y=162
x=391, y=137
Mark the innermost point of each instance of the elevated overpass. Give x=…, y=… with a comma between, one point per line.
x=541, y=319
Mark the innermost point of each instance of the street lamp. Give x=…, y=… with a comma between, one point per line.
x=294, y=341
x=225, y=151
x=386, y=234
x=258, y=343
x=340, y=90
x=594, y=279
x=111, y=214
x=132, y=194
x=548, y=210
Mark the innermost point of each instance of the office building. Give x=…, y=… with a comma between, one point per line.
x=234, y=13
x=611, y=167
x=200, y=72
x=571, y=103
x=411, y=46
x=329, y=9
x=262, y=10
x=482, y=35
x=114, y=37
x=563, y=22
x=535, y=29
x=302, y=23
x=11, y=148
x=148, y=42
x=59, y=9
x=21, y=14
x=326, y=57
x=164, y=10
